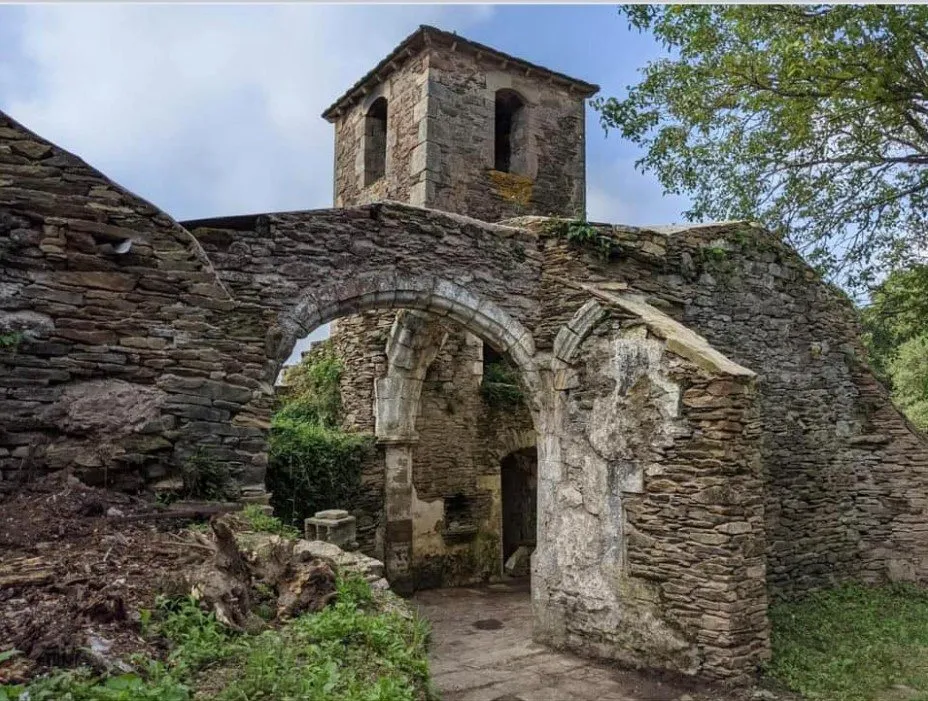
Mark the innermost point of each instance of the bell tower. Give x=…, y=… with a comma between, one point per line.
x=446, y=123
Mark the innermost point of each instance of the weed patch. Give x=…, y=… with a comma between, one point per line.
x=259, y=521
x=852, y=643
x=349, y=651
x=583, y=235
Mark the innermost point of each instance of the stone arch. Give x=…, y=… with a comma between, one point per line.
x=660, y=418
x=422, y=295
x=415, y=340
x=395, y=290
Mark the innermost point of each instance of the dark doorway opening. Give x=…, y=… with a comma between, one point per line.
x=518, y=477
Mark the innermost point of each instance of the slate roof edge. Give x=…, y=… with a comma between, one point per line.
x=421, y=38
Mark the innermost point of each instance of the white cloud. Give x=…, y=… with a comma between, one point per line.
x=619, y=194
x=203, y=109
x=603, y=206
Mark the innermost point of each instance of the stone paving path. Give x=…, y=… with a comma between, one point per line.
x=482, y=651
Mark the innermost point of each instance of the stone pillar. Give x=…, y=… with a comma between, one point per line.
x=398, y=511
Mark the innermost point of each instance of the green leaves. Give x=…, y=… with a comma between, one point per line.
x=898, y=312
x=83, y=685
x=313, y=387
x=313, y=464
x=810, y=119
x=501, y=385
x=312, y=467
x=350, y=651
x=909, y=371
x=259, y=521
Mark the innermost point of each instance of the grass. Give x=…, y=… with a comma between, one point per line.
x=853, y=643
x=348, y=652
x=259, y=521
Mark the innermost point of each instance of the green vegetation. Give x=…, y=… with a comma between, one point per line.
x=312, y=394
x=807, y=118
x=207, y=479
x=501, y=386
x=264, y=523
x=896, y=334
x=349, y=651
x=11, y=340
x=311, y=468
x=852, y=643
x=312, y=463
x=909, y=371
x=898, y=312
x=583, y=234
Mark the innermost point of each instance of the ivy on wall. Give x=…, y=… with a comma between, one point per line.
x=500, y=386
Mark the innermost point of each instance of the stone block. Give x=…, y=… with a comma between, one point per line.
x=333, y=526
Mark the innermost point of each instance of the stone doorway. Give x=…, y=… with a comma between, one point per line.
x=519, y=492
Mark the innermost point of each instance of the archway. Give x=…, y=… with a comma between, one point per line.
x=409, y=350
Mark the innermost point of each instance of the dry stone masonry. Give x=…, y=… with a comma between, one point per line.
x=707, y=431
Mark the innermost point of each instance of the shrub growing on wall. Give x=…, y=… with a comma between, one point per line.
x=312, y=463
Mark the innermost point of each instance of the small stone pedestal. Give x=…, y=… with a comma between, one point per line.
x=333, y=526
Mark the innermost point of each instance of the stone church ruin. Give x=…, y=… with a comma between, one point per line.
x=697, y=429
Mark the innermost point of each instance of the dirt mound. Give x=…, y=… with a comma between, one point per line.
x=82, y=565
x=78, y=565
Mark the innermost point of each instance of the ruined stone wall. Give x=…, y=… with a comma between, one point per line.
x=125, y=350
x=460, y=134
x=651, y=542
x=360, y=341
x=315, y=266
x=844, y=471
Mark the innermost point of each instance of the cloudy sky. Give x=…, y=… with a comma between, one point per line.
x=211, y=110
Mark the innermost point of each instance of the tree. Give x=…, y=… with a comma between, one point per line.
x=811, y=119
x=897, y=314
x=909, y=370
x=896, y=334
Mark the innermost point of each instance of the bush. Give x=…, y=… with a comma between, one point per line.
x=313, y=467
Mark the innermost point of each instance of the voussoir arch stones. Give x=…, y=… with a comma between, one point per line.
x=395, y=290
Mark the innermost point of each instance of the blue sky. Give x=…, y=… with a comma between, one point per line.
x=210, y=110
